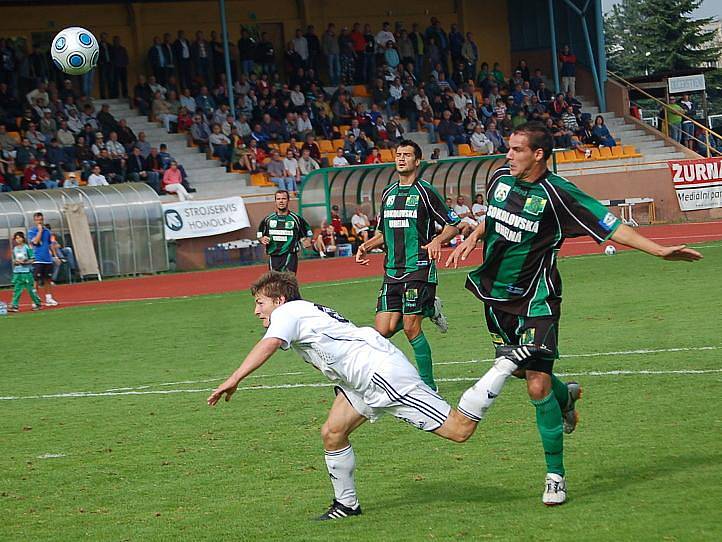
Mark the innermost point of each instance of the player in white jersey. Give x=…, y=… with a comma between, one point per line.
x=372, y=377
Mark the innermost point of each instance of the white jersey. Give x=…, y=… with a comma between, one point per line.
x=348, y=355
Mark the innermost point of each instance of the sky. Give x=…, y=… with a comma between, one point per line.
x=709, y=8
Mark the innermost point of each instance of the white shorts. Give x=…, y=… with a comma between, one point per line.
x=420, y=406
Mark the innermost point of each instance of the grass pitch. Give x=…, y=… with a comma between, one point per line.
x=106, y=434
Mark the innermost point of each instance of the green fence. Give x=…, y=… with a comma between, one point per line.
x=349, y=187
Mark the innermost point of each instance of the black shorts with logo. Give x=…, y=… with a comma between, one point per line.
x=513, y=329
x=284, y=262
x=42, y=272
x=413, y=297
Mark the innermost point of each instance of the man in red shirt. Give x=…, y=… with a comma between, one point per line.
x=359, y=45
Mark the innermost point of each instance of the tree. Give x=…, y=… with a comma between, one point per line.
x=657, y=36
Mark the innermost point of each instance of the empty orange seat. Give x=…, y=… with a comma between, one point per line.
x=330, y=156
x=360, y=90
x=605, y=153
x=465, y=150
x=630, y=152
x=283, y=147
x=344, y=128
x=261, y=179
x=337, y=143
x=569, y=156
x=325, y=146
x=595, y=154
x=386, y=155
x=617, y=152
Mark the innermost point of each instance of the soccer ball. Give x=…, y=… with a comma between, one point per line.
x=609, y=250
x=75, y=51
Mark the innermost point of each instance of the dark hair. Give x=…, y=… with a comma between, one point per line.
x=277, y=285
x=19, y=234
x=38, y=214
x=281, y=192
x=539, y=137
x=418, y=153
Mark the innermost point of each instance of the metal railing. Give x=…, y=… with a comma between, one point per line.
x=708, y=134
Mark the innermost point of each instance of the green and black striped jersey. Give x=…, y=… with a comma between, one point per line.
x=285, y=231
x=408, y=219
x=526, y=224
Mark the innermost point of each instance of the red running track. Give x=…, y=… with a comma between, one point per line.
x=330, y=269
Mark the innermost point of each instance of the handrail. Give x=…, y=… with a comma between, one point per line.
x=704, y=128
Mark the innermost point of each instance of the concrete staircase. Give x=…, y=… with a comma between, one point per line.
x=208, y=177
x=653, y=149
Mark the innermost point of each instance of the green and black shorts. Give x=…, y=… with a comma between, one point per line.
x=413, y=297
x=284, y=262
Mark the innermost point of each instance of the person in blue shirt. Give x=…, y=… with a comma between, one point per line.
x=41, y=243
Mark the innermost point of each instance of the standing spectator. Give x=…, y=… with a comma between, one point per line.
x=105, y=67
x=359, y=45
x=346, y=56
x=119, y=55
x=384, y=36
x=690, y=110
x=330, y=46
x=157, y=60
x=170, y=61
x=142, y=96
x=300, y=45
x=22, y=273
x=246, y=52
x=43, y=265
x=369, y=56
x=456, y=44
x=568, y=70
x=201, y=55
x=470, y=56
x=182, y=53
x=314, y=48
x=266, y=55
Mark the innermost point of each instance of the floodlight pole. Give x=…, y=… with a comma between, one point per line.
x=227, y=55
x=555, y=51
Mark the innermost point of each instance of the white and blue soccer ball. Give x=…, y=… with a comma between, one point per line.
x=609, y=250
x=75, y=50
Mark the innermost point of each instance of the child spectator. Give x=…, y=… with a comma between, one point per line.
x=22, y=273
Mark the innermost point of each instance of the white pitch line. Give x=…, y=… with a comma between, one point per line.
x=73, y=395
x=143, y=390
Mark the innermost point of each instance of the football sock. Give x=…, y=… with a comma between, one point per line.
x=560, y=391
x=341, y=464
x=422, y=353
x=478, y=399
x=549, y=423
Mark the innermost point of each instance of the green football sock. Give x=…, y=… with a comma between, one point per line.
x=560, y=391
x=422, y=353
x=549, y=423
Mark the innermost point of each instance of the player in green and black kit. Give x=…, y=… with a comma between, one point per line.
x=531, y=212
x=280, y=232
x=410, y=210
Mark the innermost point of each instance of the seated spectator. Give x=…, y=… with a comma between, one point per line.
x=185, y=121
x=59, y=156
x=292, y=168
x=137, y=171
x=110, y=167
x=126, y=136
x=71, y=181
x=96, y=178
x=435, y=154
x=271, y=129
x=601, y=132
x=173, y=182
x=306, y=164
x=106, y=120
x=468, y=224
x=205, y=102
x=188, y=101
x=481, y=144
x=478, y=209
x=374, y=157
x=36, y=138
x=279, y=175
x=220, y=146
x=199, y=132
x=450, y=132
x=165, y=160
x=74, y=123
x=116, y=149
x=160, y=111
x=361, y=225
x=340, y=160
x=142, y=144
x=252, y=157
x=325, y=243
x=48, y=125
x=496, y=138
x=304, y=127
x=65, y=136
x=98, y=144
x=83, y=155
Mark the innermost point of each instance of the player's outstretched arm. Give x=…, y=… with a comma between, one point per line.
x=362, y=252
x=446, y=235
x=260, y=354
x=627, y=236
x=464, y=249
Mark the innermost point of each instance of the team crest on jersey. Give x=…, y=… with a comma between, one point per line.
x=411, y=295
x=534, y=205
x=390, y=200
x=273, y=223
x=413, y=199
x=289, y=225
x=501, y=192
x=528, y=336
